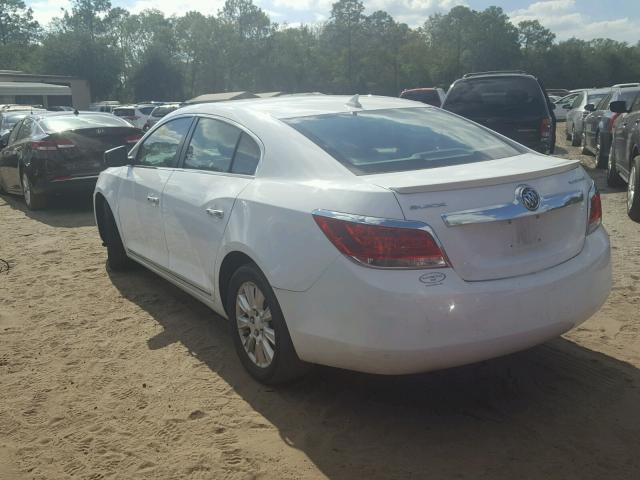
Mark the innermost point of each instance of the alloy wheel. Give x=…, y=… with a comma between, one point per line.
x=253, y=321
x=631, y=188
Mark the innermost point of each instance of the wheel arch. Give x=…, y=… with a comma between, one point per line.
x=232, y=261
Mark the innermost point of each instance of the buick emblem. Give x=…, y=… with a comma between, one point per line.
x=528, y=197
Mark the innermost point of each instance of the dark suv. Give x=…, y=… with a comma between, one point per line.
x=514, y=104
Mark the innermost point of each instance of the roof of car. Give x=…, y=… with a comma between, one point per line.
x=48, y=114
x=497, y=73
x=288, y=107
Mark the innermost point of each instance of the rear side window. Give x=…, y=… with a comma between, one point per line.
x=402, y=139
x=247, y=156
x=124, y=112
x=73, y=122
x=212, y=146
x=160, y=149
x=506, y=97
x=430, y=97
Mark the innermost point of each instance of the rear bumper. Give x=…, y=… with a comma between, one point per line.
x=389, y=322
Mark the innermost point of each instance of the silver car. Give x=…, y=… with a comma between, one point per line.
x=584, y=103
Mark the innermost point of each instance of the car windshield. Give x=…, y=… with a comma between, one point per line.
x=146, y=110
x=425, y=96
x=401, y=139
x=124, y=112
x=506, y=97
x=596, y=97
x=8, y=121
x=73, y=122
x=160, y=112
x=628, y=95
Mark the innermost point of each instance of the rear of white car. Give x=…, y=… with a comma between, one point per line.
x=393, y=237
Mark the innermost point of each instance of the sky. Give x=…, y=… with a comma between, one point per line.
x=585, y=19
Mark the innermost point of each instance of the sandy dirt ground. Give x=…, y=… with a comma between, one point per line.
x=124, y=376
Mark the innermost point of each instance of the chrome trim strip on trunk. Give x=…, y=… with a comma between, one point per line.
x=168, y=272
x=511, y=211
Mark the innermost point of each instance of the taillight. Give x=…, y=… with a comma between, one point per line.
x=545, y=128
x=612, y=121
x=595, y=210
x=381, y=243
x=132, y=138
x=44, y=145
x=64, y=143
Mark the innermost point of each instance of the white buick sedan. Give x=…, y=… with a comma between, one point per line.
x=373, y=234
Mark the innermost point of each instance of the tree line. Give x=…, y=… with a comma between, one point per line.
x=147, y=55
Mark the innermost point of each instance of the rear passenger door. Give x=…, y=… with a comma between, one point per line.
x=218, y=162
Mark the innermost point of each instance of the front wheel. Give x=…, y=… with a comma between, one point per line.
x=601, y=160
x=613, y=177
x=633, y=199
x=585, y=150
x=575, y=141
x=33, y=200
x=117, y=258
x=259, y=331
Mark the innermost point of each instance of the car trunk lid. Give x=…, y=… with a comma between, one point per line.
x=477, y=214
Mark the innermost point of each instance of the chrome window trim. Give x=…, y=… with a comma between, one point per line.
x=512, y=211
x=392, y=223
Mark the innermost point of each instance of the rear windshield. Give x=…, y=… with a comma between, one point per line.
x=72, y=122
x=160, y=112
x=508, y=97
x=425, y=96
x=146, y=110
x=124, y=112
x=401, y=139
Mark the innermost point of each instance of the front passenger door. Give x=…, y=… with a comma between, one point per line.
x=140, y=195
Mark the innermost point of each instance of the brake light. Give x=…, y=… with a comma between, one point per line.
x=44, y=145
x=612, y=121
x=132, y=138
x=377, y=244
x=595, y=210
x=65, y=143
x=545, y=128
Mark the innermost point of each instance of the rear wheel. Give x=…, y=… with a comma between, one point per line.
x=601, y=160
x=633, y=198
x=567, y=135
x=33, y=200
x=117, y=258
x=585, y=150
x=613, y=178
x=259, y=331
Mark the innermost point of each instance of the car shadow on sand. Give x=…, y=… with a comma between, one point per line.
x=555, y=411
x=67, y=212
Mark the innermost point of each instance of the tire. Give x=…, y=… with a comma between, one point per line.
x=633, y=197
x=601, y=160
x=253, y=333
x=34, y=201
x=117, y=259
x=567, y=135
x=613, y=178
x=574, y=140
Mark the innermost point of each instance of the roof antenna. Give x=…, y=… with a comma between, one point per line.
x=353, y=102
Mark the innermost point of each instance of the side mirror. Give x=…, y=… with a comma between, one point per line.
x=117, y=157
x=589, y=107
x=619, y=106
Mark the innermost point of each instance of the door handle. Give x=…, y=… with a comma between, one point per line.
x=153, y=200
x=215, y=213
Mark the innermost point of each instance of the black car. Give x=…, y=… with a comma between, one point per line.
x=59, y=152
x=514, y=104
x=596, y=132
x=624, y=153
